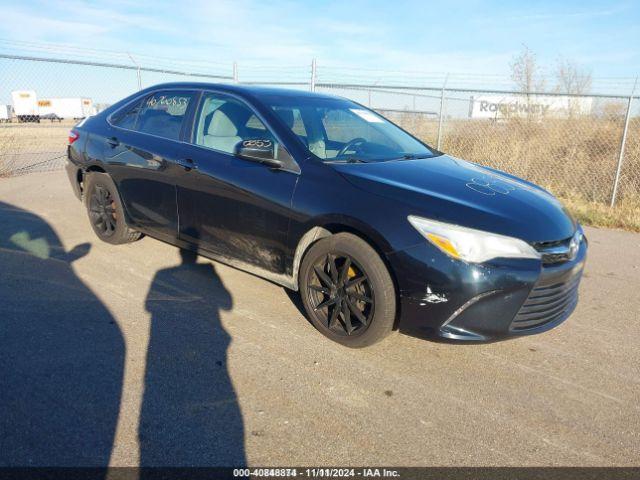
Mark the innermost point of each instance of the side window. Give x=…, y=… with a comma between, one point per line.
x=254, y=125
x=223, y=122
x=126, y=118
x=293, y=119
x=162, y=113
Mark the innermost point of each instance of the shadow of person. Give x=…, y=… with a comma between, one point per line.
x=190, y=415
x=61, y=352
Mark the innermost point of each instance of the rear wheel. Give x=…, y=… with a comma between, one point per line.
x=105, y=210
x=347, y=291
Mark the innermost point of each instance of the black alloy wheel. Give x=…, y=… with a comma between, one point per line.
x=347, y=290
x=102, y=211
x=341, y=294
x=105, y=209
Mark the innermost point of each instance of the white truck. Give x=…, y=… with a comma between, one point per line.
x=25, y=105
x=5, y=113
x=66, y=108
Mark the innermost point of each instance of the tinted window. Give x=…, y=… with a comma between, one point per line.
x=293, y=119
x=224, y=122
x=126, y=118
x=162, y=114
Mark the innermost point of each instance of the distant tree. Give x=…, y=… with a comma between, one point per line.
x=571, y=78
x=574, y=80
x=526, y=73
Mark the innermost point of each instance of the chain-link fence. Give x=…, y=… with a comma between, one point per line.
x=581, y=146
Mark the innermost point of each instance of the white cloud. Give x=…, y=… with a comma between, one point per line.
x=210, y=34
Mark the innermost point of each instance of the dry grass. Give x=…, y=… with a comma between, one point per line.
x=625, y=215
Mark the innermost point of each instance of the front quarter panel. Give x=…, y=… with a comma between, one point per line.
x=323, y=197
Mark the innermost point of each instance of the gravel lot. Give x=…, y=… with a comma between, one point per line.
x=126, y=355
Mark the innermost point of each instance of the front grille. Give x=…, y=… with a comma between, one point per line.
x=549, y=301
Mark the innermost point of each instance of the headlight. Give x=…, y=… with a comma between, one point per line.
x=469, y=244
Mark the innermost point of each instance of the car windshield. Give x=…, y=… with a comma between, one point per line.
x=337, y=130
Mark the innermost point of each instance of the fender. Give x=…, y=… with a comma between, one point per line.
x=326, y=226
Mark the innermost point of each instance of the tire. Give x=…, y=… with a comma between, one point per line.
x=361, y=282
x=105, y=210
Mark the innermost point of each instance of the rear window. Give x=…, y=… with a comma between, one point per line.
x=126, y=118
x=162, y=114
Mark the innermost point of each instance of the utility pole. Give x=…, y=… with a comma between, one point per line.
x=137, y=71
x=312, y=84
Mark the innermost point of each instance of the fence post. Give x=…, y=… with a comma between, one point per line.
x=312, y=84
x=137, y=71
x=235, y=72
x=622, y=145
x=444, y=85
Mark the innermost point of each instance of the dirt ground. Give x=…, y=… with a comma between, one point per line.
x=25, y=145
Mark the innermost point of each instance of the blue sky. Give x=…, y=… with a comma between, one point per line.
x=465, y=36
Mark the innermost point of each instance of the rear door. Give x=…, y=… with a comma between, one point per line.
x=237, y=209
x=144, y=153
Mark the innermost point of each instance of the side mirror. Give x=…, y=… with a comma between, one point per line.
x=258, y=151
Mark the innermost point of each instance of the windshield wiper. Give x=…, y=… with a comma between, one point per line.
x=348, y=160
x=412, y=156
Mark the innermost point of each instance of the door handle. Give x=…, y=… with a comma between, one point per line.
x=113, y=142
x=187, y=163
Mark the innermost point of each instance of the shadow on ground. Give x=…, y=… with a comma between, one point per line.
x=61, y=352
x=62, y=360
x=190, y=413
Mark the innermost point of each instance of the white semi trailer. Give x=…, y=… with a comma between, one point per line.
x=66, y=108
x=5, y=113
x=25, y=105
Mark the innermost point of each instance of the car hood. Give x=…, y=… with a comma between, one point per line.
x=456, y=191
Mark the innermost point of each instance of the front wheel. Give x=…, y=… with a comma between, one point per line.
x=105, y=210
x=347, y=291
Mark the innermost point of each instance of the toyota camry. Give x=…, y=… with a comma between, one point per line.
x=376, y=230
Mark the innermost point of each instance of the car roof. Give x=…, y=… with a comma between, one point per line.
x=255, y=91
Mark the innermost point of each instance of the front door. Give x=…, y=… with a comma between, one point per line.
x=234, y=208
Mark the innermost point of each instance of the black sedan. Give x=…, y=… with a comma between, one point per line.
x=375, y=229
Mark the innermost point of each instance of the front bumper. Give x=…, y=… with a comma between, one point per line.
x=444, y=298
